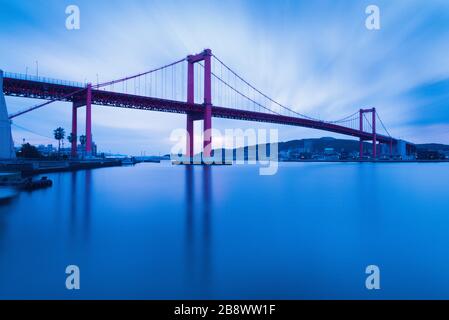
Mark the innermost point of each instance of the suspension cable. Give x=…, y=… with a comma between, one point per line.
x=240, y=93
x=31, y=131
x=137, y=75
x=368, y=121
x=274, y=101
x=97, y=86
x=45, y=103
x=381, y=122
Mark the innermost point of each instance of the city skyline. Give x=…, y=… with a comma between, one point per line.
x=321, y=67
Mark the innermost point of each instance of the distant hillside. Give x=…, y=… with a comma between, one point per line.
x=433, y=147
x=318, y=145
x=339, y=145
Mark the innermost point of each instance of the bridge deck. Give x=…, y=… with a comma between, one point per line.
x=50, y=91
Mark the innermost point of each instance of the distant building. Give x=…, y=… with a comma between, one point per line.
x=329, y=151
x=308, y=145
x=284, y=155
x=344, y=155
x=80, y=150
x=429, y=155
x=305, y=155
x=47, y=150
x=401, y=150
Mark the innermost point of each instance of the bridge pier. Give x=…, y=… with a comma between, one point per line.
x=361, y=130
x=89, y=120
x=190, y=120
x=207, y=134
x=74, y=130
x=374, y=133
x=190, y=135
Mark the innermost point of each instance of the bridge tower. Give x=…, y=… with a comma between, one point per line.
x=373, y=125
x=80, y=102
x=207, y=114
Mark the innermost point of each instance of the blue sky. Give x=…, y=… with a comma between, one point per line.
x=315, y=56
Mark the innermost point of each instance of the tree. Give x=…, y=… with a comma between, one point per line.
x=59, y=134
x=28, y=151
x=83, y=140
x=71, y=138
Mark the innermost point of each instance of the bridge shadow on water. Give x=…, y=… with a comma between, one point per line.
x=80, y=195
x=198, y=253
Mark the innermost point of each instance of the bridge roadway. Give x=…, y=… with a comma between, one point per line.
x=49, y=91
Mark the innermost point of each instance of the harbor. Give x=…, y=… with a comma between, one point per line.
x=20, y=175
x=193, y=232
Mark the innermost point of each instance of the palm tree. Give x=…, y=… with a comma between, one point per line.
x=83, y=142
x=70, y=138
x=59, y=134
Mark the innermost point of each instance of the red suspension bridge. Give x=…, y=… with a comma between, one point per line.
x=177, y=88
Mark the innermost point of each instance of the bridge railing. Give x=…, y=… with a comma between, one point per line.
x=21, y=76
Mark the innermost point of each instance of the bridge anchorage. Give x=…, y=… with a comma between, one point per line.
x=201, y=86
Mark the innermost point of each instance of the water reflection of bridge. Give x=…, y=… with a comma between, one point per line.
x=199, y=226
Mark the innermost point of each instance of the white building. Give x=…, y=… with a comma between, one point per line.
x=6, y=142
x=402, y=149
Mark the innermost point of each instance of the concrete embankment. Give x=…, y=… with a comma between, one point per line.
x=33, y=167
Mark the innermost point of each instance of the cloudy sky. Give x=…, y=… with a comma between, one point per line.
x=315, y=56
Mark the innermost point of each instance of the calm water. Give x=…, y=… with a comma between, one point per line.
x=168, y=232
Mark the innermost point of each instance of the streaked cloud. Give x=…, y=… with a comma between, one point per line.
x=316, y=57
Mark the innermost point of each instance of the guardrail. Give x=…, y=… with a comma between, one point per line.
x=21, y=76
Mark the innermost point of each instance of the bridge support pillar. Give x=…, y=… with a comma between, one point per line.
x=89, y=120
x=374, y=134
x=207, y=134
x=361, y=130
x=190, y=120
x=190, y=136
x=361, y=149
x=74, y=130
